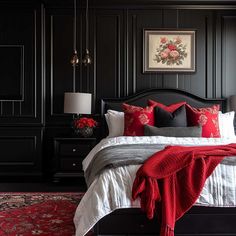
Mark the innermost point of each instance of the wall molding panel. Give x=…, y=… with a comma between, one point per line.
x=27, y=159
x=109, y=43
x=59, y=49
x=20, y=93
x=12, y=83
x=228, y=23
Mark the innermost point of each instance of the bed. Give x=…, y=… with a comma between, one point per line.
x=127, y=220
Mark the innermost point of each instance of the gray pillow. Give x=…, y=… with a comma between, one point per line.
x=193, y=131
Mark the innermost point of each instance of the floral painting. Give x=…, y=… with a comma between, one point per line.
x=169, y=51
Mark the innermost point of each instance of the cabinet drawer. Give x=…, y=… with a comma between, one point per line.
x=74, y=149
x=71, y=164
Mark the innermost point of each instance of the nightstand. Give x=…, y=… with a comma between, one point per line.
x=69, y=152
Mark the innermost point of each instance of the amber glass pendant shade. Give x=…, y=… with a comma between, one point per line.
x=74, y=59
x=87, y=58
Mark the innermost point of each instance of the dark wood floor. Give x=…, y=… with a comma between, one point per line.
x=68, y=185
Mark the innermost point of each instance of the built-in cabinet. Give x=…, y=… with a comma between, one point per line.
x=21, y=151
x=21, y=89
x=21, y=65
x=36, y=43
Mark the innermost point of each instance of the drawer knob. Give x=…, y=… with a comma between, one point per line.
x=74, y=164
x=74, y=149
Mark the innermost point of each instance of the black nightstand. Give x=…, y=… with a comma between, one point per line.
x=69, y=154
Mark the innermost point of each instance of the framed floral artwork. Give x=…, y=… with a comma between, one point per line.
x=168, y=50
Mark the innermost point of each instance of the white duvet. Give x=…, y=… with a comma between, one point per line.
x=111, y=190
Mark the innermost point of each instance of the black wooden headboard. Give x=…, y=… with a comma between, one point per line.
x=165, y=96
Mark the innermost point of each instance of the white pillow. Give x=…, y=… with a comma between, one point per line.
x=115, y=123
x=226, y=124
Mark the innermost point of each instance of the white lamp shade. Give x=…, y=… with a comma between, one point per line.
x=77, y=103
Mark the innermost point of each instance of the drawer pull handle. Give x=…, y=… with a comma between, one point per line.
x=74, y=149
x=74, y=164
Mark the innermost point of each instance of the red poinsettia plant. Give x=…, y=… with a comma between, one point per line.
x=80, y=123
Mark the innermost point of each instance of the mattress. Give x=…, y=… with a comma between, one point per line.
x=112, y=188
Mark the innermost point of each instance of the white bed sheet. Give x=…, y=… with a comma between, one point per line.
x=111, y=190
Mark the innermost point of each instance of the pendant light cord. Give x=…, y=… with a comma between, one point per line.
x=75, y=26
x=86, y=24
x=75, y=50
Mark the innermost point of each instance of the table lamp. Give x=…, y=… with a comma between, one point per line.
x=77, y=103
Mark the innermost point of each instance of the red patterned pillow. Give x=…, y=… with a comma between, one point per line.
x=135, y=119
x=205, y=117
x=170, y=108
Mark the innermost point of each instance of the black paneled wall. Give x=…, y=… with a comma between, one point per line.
x=36, y=43
x=123, y=51
x=116, y=45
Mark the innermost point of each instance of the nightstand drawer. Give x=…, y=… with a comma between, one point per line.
x=71, y=164
x=74, y=149
x=69, y=154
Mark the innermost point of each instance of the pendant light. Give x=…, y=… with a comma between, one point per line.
x=76, y=103
x=74, y=59
x=86, y=59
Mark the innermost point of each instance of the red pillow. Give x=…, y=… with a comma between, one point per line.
x=171, y=108
x=136, y=118
x=205, y=117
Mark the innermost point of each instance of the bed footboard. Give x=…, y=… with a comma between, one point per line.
x=199, y=221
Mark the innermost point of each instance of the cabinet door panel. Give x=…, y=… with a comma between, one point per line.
x=20, y=151
x=20, y=67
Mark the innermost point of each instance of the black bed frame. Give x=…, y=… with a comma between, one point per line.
x=198, y=221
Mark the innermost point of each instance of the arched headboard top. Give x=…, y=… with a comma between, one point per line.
x=165, y=96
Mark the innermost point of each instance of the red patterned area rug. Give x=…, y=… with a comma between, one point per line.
x=44, y=214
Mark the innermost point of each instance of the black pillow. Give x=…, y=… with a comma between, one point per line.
x=193, y=131
x=164, y=118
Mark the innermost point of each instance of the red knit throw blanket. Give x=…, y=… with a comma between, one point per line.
x=171, y=180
